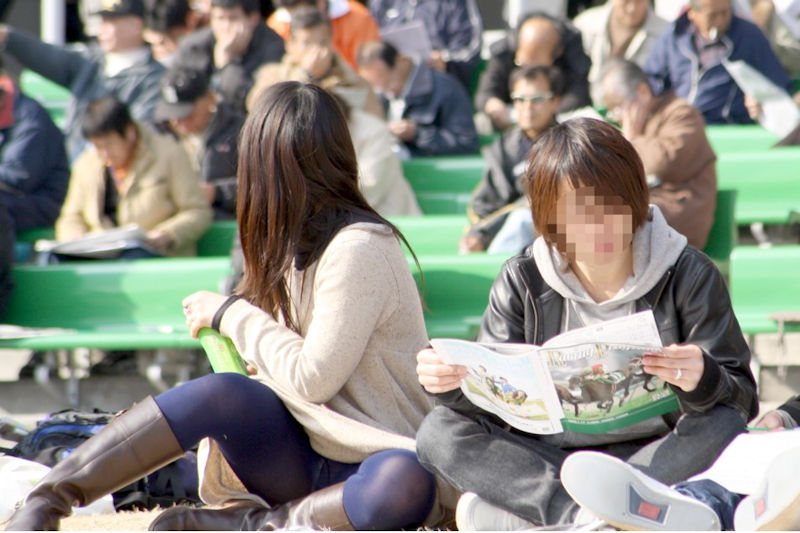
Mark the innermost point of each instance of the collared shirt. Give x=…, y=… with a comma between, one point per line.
x=709, y=52
x=397, y=105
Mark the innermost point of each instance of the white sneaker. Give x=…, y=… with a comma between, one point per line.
x=775, y=504
x=628, y=499
x=476, y=514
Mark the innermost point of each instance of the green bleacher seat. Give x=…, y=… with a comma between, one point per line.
x=767, y=183
x=764, y=281
x=53, y=97
x=733, y=138
x=217, y=240
x=110, y=305
x=456, y=292
x=723, y=235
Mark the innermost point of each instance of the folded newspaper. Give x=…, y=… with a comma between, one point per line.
x=107, y=244
x=588, y=380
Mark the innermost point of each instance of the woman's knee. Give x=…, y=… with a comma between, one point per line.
x=391, y=490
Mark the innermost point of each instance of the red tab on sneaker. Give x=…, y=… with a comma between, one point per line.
x=760, y=506
x=644, y=509
x=648, y=510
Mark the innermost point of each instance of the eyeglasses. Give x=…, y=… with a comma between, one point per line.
x=536, y=98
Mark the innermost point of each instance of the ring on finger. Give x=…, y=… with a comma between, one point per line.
x=678, y=373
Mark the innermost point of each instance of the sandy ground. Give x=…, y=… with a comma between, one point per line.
x=126, y=521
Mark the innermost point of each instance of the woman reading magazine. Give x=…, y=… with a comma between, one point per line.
x=602, y=253
x=322, y=436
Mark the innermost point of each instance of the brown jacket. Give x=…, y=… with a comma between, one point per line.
x=164, y=193
x=674, y=148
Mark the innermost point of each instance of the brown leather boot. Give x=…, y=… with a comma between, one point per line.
x=133, y=445
x=319, y=510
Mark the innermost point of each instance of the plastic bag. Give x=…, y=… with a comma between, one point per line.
x=19, y=476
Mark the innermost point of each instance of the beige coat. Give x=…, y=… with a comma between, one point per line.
x=349, y=377
x=164, y=193
x=380, y=172
x=674, y=149
x=593, y=25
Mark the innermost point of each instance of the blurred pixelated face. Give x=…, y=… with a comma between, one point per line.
x=534, y=104
x=116, y=150
x=711, y=17
x=629, y=13
x=162, y=43
x=381, y=77
x=592, y=228
x=226, y=21
x=306, y=40
x=196, y=121
x=613, y=100
x=120, y=33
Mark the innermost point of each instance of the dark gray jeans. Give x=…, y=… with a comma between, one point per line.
x=520, y=473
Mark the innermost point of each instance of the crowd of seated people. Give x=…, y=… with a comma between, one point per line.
x=160, y=97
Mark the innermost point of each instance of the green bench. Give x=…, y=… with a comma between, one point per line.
x=723, y=235
x=456, y=292
x=731, y=138
x=767, y=183
x=764, y=281
x=109, y=305
x=53, y=97
x=443, y=185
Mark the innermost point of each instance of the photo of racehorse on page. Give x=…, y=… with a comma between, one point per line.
x=571, y=382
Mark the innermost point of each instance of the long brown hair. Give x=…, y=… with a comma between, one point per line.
x=298, y=186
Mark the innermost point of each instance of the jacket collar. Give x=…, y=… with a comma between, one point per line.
x=422, y=82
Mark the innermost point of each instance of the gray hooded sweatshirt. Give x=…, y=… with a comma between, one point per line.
x=656, y=247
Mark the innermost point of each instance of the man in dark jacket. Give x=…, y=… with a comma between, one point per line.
x=208, y=130
x=34, y=171
x=688, y=58
x=426, y=109
x=453, y=27
x=230, y=49
x=121, y=66
x=536, y=93
x=540, y=40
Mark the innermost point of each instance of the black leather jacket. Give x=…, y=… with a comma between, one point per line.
x=691, y=306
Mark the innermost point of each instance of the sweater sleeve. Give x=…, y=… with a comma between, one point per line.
x=354, y=290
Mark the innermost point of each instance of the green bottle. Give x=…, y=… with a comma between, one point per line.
x=221, y=352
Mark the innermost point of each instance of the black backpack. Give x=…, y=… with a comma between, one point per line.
x=60, y=433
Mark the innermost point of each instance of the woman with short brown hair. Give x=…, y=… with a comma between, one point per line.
x=602, y=254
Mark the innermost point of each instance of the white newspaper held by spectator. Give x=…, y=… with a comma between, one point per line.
x=410, y=39
x=780, y=113
x=789, y=12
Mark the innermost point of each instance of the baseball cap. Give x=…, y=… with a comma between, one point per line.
x=120, y=8
x=180, y=87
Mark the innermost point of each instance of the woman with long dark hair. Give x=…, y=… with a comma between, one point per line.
x=321, y=436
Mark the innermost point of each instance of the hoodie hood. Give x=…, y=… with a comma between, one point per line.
x=656, y=247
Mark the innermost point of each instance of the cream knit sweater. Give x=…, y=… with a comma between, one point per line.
x=349, y=376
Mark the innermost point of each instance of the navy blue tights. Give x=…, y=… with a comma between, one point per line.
x=271, y=455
